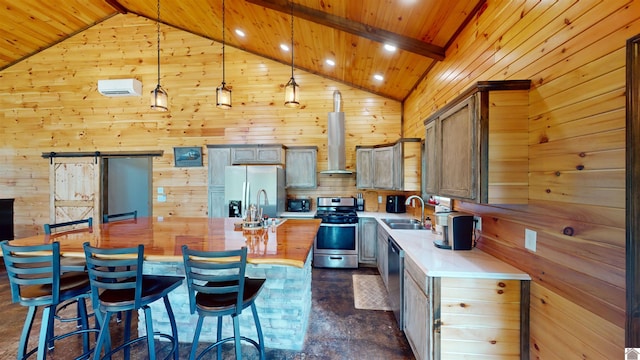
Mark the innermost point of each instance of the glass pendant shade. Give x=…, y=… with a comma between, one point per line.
x=159, y=99
x=223, y=96
x=292, y=94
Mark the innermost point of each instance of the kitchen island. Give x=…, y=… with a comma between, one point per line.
x=280, y=254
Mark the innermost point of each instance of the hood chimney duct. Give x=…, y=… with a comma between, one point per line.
x=336, y=139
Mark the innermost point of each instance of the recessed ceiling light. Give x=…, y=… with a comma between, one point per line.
x=284, y=47
x=330, y=62
x=389, y=47
x=378, y=77
x=240, y=33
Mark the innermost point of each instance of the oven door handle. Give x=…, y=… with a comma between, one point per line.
x=338, y=225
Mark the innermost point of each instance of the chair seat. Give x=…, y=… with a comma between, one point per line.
x=153, y=288
x=219, y=302
x=72, y=284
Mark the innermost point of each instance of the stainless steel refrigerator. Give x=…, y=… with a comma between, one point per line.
x=243, y=182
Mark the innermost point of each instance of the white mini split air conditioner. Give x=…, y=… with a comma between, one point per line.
x=120, y=87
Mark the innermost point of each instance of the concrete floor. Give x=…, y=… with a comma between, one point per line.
x=336, y=329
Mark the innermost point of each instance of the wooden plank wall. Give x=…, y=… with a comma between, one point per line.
x=575, y=54
x=50, y=102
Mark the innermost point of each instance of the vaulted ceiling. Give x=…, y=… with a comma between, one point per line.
x=350, y=33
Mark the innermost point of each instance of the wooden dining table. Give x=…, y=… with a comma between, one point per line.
x=288, y=243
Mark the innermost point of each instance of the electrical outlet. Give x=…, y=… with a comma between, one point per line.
x=478, y=220
x=530, y=238
x=379, y=199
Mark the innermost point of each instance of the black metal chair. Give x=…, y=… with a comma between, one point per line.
x=106, y=218
x=37, y=282
x=68, y=224
x=117, y=284
x=67, y=263
x=218, y=287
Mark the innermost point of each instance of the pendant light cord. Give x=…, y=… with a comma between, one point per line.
x=291, y=39
x=158, y=28
x=223, y=83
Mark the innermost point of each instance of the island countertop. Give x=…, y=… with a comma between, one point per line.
x=287, y=244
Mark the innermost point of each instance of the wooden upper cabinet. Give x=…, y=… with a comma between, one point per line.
x=364, y=168
x=301, y=167
x=457, y=147
x=390, y=167
x=383, y=169
x=258, y=154
x=477, y=145
x=430, y=167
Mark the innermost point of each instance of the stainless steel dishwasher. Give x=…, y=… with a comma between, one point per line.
x=395, y=284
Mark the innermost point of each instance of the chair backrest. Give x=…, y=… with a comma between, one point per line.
x=122, y=216
x=49, y=227
x=115, y=269
x=215, y=272
x=33, y=272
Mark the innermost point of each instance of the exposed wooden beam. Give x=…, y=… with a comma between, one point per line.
x=117, y=6
x=355, y=28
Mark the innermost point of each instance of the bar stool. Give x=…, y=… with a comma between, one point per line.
x=68, y=264
x=218, y=287
x=117, y=284
x=35, y=280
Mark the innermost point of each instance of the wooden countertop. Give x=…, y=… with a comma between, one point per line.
x=288, y=244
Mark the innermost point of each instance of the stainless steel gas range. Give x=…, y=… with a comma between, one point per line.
x=336, y=244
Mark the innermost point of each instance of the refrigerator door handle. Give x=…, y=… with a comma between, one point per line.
x=246, y=198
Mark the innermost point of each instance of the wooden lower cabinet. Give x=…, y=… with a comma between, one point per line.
x=367, y=240
x=382, y=259
x=460, y=318
x=417, y=318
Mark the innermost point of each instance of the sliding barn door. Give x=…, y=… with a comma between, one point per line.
x=74, y=188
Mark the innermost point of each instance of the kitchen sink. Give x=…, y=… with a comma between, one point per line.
x=404, y=224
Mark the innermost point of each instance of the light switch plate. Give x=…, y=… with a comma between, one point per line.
x=530, y=238
x=160, y=190
x=162, y=198
x=379, y=199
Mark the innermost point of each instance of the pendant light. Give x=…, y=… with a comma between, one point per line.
x=291, y=90
x=159, y=97
x=223, y=93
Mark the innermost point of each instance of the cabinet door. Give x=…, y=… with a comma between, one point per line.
x=364, y=168
x=217, y=205
x=218, y=159
x=383, y=260
x=457, y=150
x=383, y=170
x=430, y=161
x=397, y=166
x=301, y=168
x=416, y=318
x=368, y=242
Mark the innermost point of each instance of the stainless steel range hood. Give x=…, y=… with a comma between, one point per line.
x=336, y=137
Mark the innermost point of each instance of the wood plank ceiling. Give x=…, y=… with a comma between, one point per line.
x=351, y=33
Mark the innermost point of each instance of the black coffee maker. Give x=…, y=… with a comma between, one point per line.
x=395, y=204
